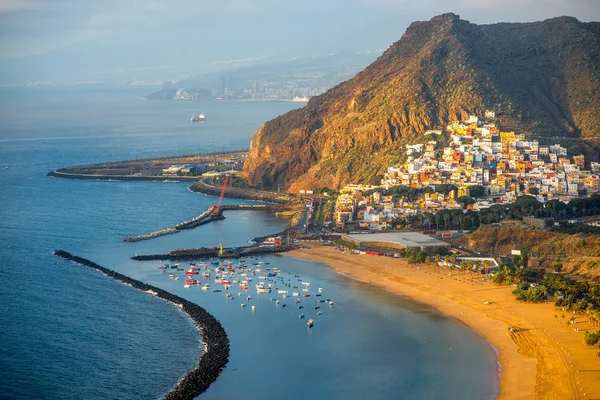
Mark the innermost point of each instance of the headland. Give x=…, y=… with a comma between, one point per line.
x=539, y=356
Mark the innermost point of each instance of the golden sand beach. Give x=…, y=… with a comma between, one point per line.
x=542, y=359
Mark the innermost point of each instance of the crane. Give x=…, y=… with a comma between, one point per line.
x=217, y=210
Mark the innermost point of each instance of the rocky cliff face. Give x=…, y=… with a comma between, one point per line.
x=542, y=78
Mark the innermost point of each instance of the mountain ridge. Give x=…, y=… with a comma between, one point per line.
x=542, y=78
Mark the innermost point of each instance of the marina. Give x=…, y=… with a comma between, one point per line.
x=230, y=276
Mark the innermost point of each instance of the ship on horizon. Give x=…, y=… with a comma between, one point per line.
x=198, y=118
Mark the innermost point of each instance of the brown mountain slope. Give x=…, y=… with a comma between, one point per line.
x=579, y=254
x=541, y=77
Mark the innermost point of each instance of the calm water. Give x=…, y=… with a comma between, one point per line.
x=68, y=332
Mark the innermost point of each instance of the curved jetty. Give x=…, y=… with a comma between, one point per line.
x=215, y=339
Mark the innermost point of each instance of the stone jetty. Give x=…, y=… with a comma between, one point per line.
x=216, y=343
x=202, y=219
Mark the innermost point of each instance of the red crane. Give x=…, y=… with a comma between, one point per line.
x=217, y=210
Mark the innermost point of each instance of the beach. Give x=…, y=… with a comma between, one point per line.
x=543, y=358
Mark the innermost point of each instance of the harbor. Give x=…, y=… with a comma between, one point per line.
x=243, y=277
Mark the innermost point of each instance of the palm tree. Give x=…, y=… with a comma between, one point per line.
x=486, y=266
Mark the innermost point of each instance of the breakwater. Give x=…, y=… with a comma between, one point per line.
x=201, y=219
x=209, y=253
x=63, y=173
x=216, y=343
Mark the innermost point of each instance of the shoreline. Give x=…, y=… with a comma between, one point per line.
x=542, y=359
x=214, y=339
x=452, y=317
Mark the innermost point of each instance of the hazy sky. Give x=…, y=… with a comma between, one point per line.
x=208, y=30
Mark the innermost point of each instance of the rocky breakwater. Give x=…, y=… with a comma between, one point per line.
x=216, y=343
x=201, y=219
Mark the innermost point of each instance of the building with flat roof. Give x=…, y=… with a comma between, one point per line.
x=395, y=241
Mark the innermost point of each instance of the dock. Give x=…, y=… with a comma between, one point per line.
x=205, y=253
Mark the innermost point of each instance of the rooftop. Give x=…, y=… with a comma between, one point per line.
x=407, y=239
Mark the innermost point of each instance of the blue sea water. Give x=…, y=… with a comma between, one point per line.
x=69, y=332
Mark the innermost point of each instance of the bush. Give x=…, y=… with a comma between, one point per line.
x=592, y=338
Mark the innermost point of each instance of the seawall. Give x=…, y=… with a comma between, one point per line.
x=215, y=339
x=59, y=173
x=202, y=186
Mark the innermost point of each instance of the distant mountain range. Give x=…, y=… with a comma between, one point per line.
x=541, y=78
x=296, y=76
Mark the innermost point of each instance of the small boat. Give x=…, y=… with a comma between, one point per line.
x=283, y=305
x=307, y=295
x=191, y=272
x=320, y=290
x=205, y=288
x=331, y=303
x=282, y=291
x=186, y=286
x=216, y=290
x=306, y=290
x=300, y=307
x=295, y=294
x=248, y=298
x=301, y=316
x=310, y=323
x=319, y=313
x=253, y=308
x=277, y=302
x=317, y=307
x=242, y=305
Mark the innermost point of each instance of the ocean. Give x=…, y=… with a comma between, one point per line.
x=70, y=332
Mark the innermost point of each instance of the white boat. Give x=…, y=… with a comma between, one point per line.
x=331, y=303
x=277, y=302
x=242, y=305
x=204, y=287
x=282, y=291
x=263, y=290
x=296, y=294
x=253, y=308
x=320, y=290
x=186, y=286
x=306, y=290
x=306, y=283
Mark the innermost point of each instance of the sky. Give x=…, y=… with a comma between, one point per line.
x=153, y=33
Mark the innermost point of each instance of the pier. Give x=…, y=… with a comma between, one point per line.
x=203, y=219
x=205, y=253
